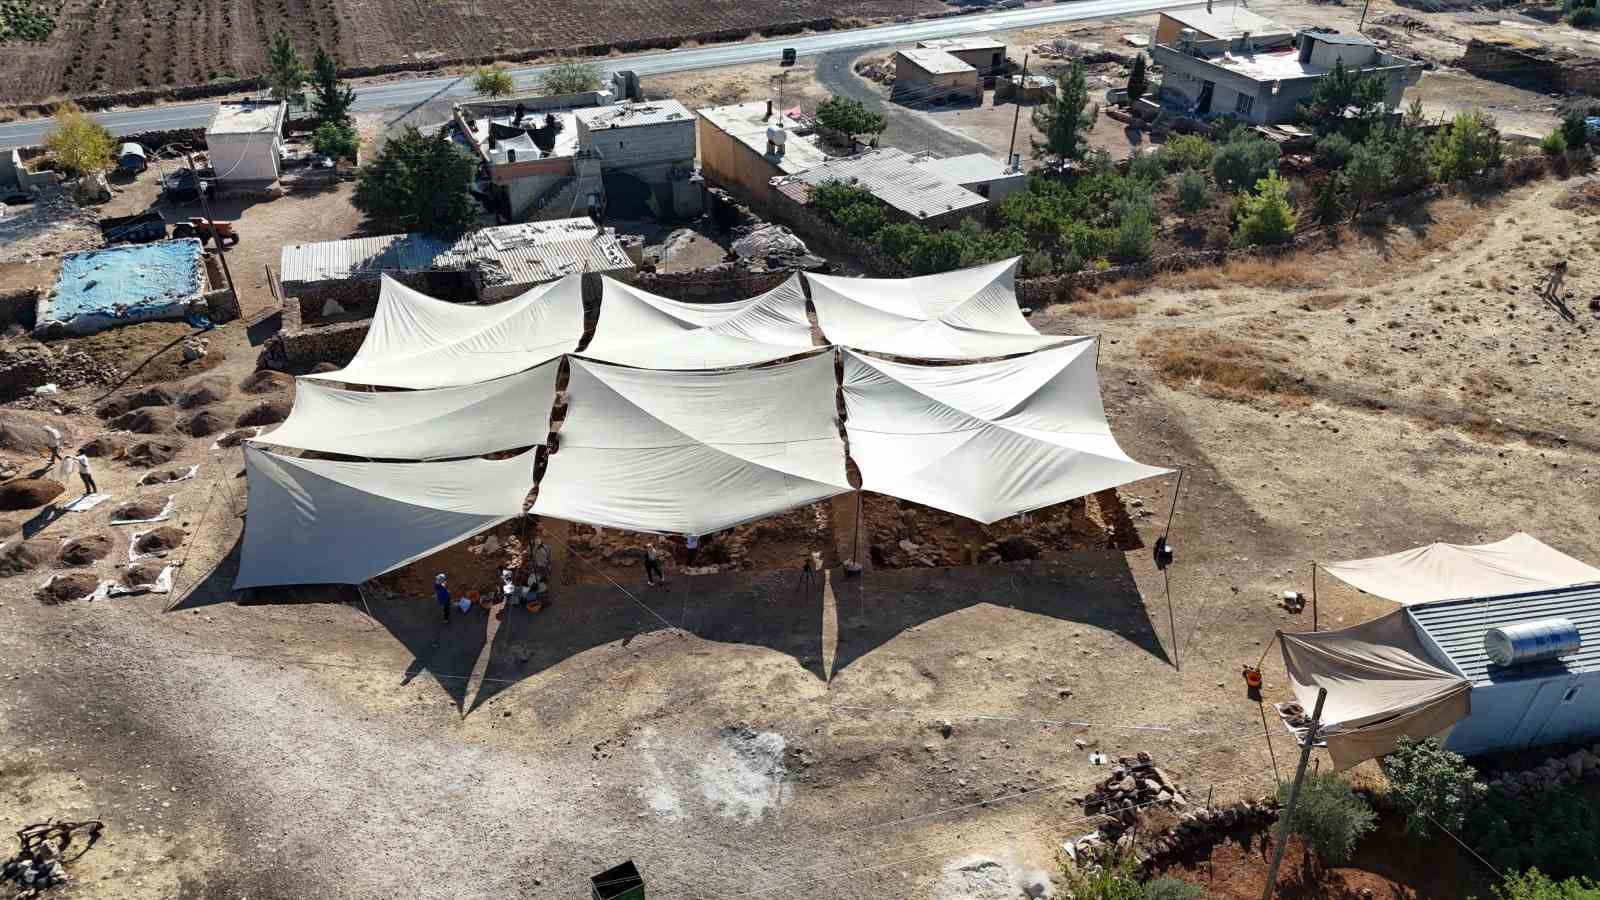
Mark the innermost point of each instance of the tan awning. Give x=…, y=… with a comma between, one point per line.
x=1516, y=565
x=1382, y=685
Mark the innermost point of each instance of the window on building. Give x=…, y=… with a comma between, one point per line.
x=1570, y=695
x=1243, y=104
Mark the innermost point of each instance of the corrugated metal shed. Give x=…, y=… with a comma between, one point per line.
x=528, y=253
x=893, y=177
x=1458, y=627
x=633, y=115
x=970, y=168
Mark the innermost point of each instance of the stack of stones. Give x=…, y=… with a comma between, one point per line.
x=1205, y=826
x=1135, y=783
x=34, y=870
x=1553, y=774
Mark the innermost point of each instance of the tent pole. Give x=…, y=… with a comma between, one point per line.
x=859, y=511
x=1267, y=733
x=1313, y=595
x=1294, y=793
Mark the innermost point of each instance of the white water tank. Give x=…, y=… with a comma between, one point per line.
x=776, y=135
x=1524, y=642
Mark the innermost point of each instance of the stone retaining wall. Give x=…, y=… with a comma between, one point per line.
x=19, y=307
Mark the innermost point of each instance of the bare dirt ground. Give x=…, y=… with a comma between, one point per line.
x=733, y=735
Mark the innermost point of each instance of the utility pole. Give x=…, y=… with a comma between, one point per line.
x=205, y=208
x=1017, y=115
x=1294, y=793
x=1363, y=22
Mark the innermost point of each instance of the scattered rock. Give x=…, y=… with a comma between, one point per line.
x=28, y=493
x=24, y=556
x=267, y=412
x=81, y=551
x=266, y=381
x=162, y=540
x=202, y=391
x=201, y=424
x=152, y=453
x=65, y=588
x=146, y=420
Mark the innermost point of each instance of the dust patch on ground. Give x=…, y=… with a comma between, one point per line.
x=992, y=878
x=742, y=776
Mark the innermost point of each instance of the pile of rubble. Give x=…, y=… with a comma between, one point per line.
x=1553, y=774
x=879, y=70
x=25, y=365
x=1195, y=829
x=1134, y=784
x=40, y=864
x=916, y=536
x=51, y=225
x=774, y=247
x=1089, y=52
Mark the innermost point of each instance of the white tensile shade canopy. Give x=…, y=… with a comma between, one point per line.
x=985, y=440
x=693, y=452
x=965, y=314
x=326, y=522
x=419, y=342
x=438, y=423
x=1516, y=565
x=641, y=329
x=1382, y=685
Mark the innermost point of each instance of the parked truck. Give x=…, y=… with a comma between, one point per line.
x=197, y=227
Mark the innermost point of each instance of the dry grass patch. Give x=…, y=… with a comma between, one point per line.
x=1108, y=309
x=1219, y=366
x=1328, y=300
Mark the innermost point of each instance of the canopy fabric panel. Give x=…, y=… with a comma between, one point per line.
x=985, y=440
x=1382, y=685
x=418, y=342
x=1519, y=564
x=965, y=314
x=641, y=329
x=438, y=423
x=694, y=452
x=326, y=522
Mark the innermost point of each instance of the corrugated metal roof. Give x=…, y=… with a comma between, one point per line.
x=631, y=115
x=970, y=168
x=527, y=253
x=937, y=62
x=1458, y=627
x=893, y=177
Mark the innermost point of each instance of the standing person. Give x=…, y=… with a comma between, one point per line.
x=53, y=438
x=808, y=573
x=652, y=566
x=85, y=474
x=441, y=593
x=541, y=560
x=691, y=547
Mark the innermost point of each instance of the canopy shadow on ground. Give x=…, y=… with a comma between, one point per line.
x=763, y=609
x=1088, y=587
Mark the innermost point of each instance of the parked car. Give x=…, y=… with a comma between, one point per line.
x=788, y=56
x=131, y=159
x=181, y=186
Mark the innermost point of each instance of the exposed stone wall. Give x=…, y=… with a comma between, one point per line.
x=359, y=296
x=716, y=284
x=19, y=307
x=302, y=349
x=818, y=232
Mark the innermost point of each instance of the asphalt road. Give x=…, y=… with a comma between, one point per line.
x=907, y=129
x=416, y=91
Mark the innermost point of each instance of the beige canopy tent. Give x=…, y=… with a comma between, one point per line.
x=1382, y=685
x=1516, y=565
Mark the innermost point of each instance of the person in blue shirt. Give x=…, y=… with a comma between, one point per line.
x=441, y=591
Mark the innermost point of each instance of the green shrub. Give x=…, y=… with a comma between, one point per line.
x=1582, y=17
x=850, y=117
x=336, y=140
x=1556, y=831
x=1369, y=174
x=1244, y=160
x=1172, y=889
x=1535, y=885
x=572, y=77
x=1329, y=816
x=902, y=240
x=1109, y=882
x=1187, y=151
x=832, y=196
x=1554, y=143
x=940, y=252
x=1037, y=263
x=1330, y=199
x=1334, y=150
x=1575, y=129
x=1266, y=217
x=1084, y=241
x=862, y=220
x=1470, y=145
x=1148, y=167
x=1432, y=784
x=1193, y=192
x=1134, y=236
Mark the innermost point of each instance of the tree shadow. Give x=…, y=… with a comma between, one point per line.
x=1089, y=587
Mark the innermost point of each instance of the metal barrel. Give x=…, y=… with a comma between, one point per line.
x=1511, y=645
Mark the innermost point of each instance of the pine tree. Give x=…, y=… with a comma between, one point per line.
x=285, y=73
x=1065, y=117
x=418, y=183
x=1137, y=82
x=331, y=100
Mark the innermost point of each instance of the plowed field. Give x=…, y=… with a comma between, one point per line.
x=107, y=46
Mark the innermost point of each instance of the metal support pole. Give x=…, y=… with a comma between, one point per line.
x=1267, y=733
x=216, y=237
x=1362, y=24
x=1016, y=115
x=1294, y=794
x=859, y=512
x=1313, y=595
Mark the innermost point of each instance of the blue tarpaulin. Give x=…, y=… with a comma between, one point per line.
x=100, y=289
